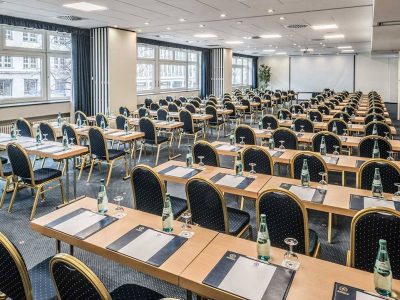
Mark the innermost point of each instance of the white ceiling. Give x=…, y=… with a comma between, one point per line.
x=353, y=17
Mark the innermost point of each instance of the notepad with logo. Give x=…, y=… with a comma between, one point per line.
x=181, y=172
x=275, y=153
x=81, y=223
x=53, y=149
x=346, y=292
x=148, y=245
x=250, y=278
x=240, y=182
x=358, y=202
x=224, y=147
x=306, y=193
x=330, y=159
x=118, y=133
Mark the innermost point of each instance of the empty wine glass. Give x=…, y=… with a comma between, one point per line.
x=186, y=216
x=396, y=195
x=386, y=135
x=315, y=119
x=71, y=141
x=302, y=129
x=282, y=147
x=119, y=210
x=345, y=132
x=391, y=155
x=242, y=141
x=18, y=132
x=322, y=184
x=291, y=260
x=45, y=137
x=336, y=152
x=269, y=129
x=201, y=164
x=252, y=171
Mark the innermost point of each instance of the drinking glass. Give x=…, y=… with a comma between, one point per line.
x=252, y=171
x=242, y=141
x=186, y=216
x=282, y=147
x=291, y=260
x=336, y=152
x=201, y=164
x=315, y=119
x=391, y=154
x=322, y=184
x=386, y=135
x=18, y=132
x=269, y=129
x=71, y=142
x=396, y=195
x=302, y=129
x=345, y=132
x=119, y=210
x=45, y=137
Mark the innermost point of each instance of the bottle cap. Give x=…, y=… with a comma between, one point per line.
x=382, y=242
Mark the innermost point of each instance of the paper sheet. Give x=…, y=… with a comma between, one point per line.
x=304, y=193
x=226, y=147
x=79, y=222
x=230, y=180
x=365, y=296
x=371, y=202
x=179, y=172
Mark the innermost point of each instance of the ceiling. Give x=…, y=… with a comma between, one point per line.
x=160, y=19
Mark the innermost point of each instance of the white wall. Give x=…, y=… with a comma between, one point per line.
x=227, y=70
x=279, y=71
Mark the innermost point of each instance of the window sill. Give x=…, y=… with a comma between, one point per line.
x=29, y=103
x=167, y=92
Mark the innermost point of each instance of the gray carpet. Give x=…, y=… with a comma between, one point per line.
x=35, y=247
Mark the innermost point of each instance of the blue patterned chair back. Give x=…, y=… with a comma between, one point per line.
x=154, y=106
x=163, y=102
x=20, y=163
x=197, y=99
x=172, y=107
x=148, y=190
x=98, y=145
x=178, y=102
x=195, y=103
x=14, y=278
x=367, y=228
x=186, y=118
x=306, y=104
x=211, y=110
x=271, y=119
x=213, y=99
x=211, y=103
x=74, y=280
x=46, y=128
x=231, y=106
x=82, y=114
x=100, y=116
x=314, y=101
x=267, y=97
x=331, y=140
x=120, y=121
x=350, y=109
x=315, y=113
x=204, y=148
x=183, y=99
x=377, y=110
x=286, y=217
x=169, y=98
x=341, y=125
x=122, y=110
x=346, y=117
x=260, y=157
x=190, y=107
x=296, y=108
x=285, y=113
x=162, y=114
x=71, y=133
x=370, y=118
x=381, y=127
x=247, y=132
x=308, y=126
x=142, y=112
x=24, y=127
x=147, y=102
x=315, y=163
x=390, y=174
x=246, y=103
x=330, y=105
x=366, y=146
x=147, y=127
x=207, y=205
x=287, y=135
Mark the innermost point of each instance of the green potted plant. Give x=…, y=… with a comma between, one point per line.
x=264, y=76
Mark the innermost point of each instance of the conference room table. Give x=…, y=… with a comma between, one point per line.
x=52, y=150
x=327, y=118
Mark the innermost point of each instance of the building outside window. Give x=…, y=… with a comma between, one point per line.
x=242, y=72
x=9, y=35
x=5, y=87
x=31, y=87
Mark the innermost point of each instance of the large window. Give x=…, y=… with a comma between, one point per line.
x=167, y=69
x=35, y=65
x=242, y=71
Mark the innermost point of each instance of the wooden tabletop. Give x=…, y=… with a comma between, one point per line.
x=112, y=134
x=97, y=243
x=314, y=280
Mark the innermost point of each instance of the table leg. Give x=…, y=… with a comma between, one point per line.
x=67, y=177
x=173, y=147
x=130, y=159
x=74, y=167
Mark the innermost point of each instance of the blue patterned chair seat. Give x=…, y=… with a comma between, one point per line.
x=7, y=170
x=43, y=174
x=179, y=205
x=113, y=154
x=313, y=240
x=3, y=160
x=160, y=139
x=133, y=292
x=42, y=285
x=237, y=220
x=219, y=122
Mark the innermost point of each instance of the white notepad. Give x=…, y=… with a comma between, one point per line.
x=230, y=180
x=304, y=193
x=118, y=133
x=53, y=149
x=248, y=279
x=327, y=159
x=371, y=202
x=226, y=147
x=179, y=172
x=272, y=152
x=365, y=296
x=79, y=222
x=146, y=245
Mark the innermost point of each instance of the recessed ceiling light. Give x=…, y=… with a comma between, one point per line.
x=282, y=18
x=233, y=42
x=280, y=53
x=85, y=6
x=182, y=20
x=270, y=10
x=115, y=26
x=138, y=30
x=269, y=50
x=146, y=23
x=322, y=27
x=308, y=50
x=270, y=36
x=202, y=25
x=294, y=44
x=344, y=47
x=334, y=36
x=247, y=37
x=222, y=15
x=239, y=22
x=205, y=35
x=348, y=50
x=168, y=28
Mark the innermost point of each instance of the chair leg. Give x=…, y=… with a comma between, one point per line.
x=43, y=162
x=6, y=185
x=91, y=170
x=250, y=237
x=218, y=133
x=64, y=200
x=13, y=195
x=38, y=193
x=140, y=153
x=180, y=139
x=241, y=203
x=126, y=167
x=158, y=153
x=83, y=162
x=329, y=227
x=109, y=173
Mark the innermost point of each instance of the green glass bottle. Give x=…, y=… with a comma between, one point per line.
x=189, y=157
x=79, y=121
x=260, y=125
x=65, y=140
x=232, y=138
x=334, y=127
x=322, y=147
x=126, y=127
x=59, y=119
x=263, y=241
x=103, y=124
x=38, y=136
x=280, y=116
x=238, y=165
x=271, y=143
x=377, y=187
x=375, y=152
x=167, y=216
x=383, y=271
x=102, y=199
x=13, y=132
x=305, y=174
x=374, y=130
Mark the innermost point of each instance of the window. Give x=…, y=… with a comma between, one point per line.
x=5, y=88
x=242, y=71
x=165, y=69
x=35, y=65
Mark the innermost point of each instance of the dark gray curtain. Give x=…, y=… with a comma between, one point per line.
x=205, y=73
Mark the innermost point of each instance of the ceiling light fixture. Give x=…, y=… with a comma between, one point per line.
x=269, y=50
x=270, y=10
x=282, y=18
x=348, y=50
x=168, y=28
x=280, y=53
x=239, y=22
x=322, y=27
x=146, y=23
x=85, y=6
x=202, y=25
x=247, y=37
x=222, y=15
x=334, y=36
x=270, y=36
x=294, y=44
x=205, y=35
x=233, y=42
x=308, y=50
x=182, y=20
x=344, y=47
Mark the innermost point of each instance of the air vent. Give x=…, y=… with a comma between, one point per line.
x=70, y=18
x=317, y=40
x=255, y=37
x=296, y=26
x=213, y=45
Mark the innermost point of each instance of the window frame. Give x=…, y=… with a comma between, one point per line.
x=246, y=63
x=57, y=55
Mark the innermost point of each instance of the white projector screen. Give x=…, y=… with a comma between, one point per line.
x=314, y=73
